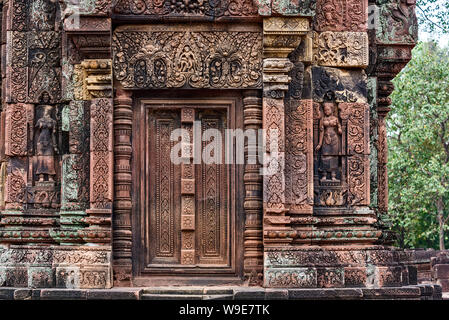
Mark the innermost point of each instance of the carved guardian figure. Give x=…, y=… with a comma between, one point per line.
x=329, y=144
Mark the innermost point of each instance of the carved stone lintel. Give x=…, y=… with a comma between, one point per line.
x=151, y=57
x=17, y=129
x=215, y=10
x=341, y=15
x=341, y=49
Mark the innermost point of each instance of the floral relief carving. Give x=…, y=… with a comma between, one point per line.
x=341, y=15
x=175, y=59
x=342, y=165
x=341, y=49
x=101, y=153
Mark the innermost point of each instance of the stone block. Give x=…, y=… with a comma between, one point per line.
x=355, y=276
x=444, y=283
x=7, y=293
x=112, y=294
x=63, y=294
x=346, y=15
x=290, y=278
x=389, y=276
x=41, y=277
x=392, y=293
x=341, y=49
x=68, y=277
x=440, y=271
x=249, y=294
x=348, y=85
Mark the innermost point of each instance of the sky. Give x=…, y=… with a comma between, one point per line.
x=443, y=40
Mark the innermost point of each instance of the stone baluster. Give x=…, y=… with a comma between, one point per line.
x=122, y=234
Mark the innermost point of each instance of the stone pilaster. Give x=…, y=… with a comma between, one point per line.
x=281, y=37
x=253, y=203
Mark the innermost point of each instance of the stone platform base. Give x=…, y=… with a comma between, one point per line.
x=69, y=267
x=337, y=267
x=418, y=292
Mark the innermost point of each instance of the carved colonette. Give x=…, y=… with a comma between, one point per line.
x=58, y=137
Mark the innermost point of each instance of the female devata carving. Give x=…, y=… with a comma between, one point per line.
x=330, y=139
x=46, y=145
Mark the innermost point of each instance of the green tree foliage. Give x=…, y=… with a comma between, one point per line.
x=433, y=15
x=418, y=132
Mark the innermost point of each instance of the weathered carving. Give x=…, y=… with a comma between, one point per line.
x=44, y=65
x=17, y=61
x=397, y=23
x=93, y=79
x=293, y=8
x=299, y=156
x=43, y=197
x=85, y=7
x=75, y=173
x=15, y=188
x=167, y=57
x=291, y=278
x=348, y=86
x=341, y=15
x=16, y=128
x=341, y=49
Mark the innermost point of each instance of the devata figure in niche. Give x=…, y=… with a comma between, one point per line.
x=46, y=145
x=330, y=140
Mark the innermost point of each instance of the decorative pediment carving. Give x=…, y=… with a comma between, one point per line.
x=167, y=56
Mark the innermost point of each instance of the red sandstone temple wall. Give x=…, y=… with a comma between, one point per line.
x=319, y=72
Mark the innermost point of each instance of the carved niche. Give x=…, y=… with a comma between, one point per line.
x=169, y=57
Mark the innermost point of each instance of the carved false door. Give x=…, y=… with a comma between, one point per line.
x=187, y=224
